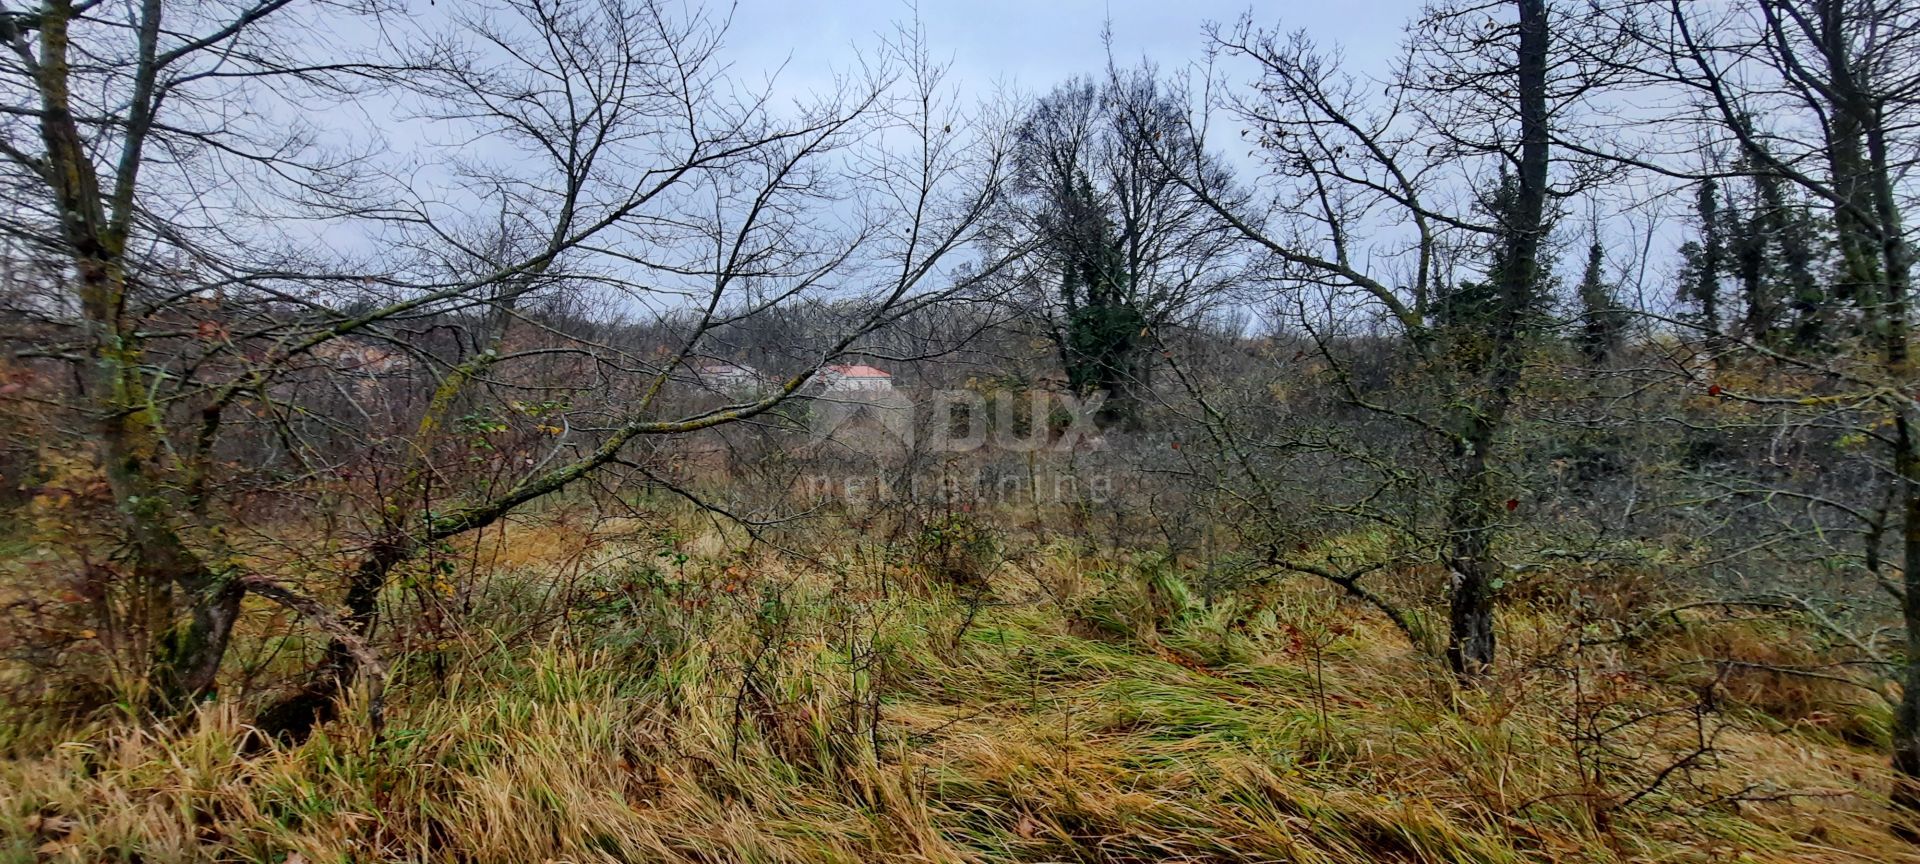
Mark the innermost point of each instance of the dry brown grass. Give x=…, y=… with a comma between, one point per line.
x=1096, y=711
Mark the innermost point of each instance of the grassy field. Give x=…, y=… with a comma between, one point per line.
x=697, y=704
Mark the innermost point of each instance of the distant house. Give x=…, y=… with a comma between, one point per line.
x=855, y=379
x=372, y=369
x=857, y=410
x=729, y=378
x=362, y=359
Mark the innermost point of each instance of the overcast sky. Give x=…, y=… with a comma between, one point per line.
x=1036, y=43
x=1033, y=44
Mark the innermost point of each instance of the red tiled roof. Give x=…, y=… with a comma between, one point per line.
x=858, y=371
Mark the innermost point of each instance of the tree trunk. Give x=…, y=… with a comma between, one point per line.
x=315, y=700
x=1470, y=642
x=1473, y=513
x=1896, y=265
x=1847, y=163
x=187, y=656
x=1906, y=729
x=190, y=607
x=1873, y=243
x=293, y=717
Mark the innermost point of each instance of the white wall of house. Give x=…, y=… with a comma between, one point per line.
x=844, y=383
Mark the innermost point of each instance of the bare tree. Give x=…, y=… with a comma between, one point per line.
x=1816, y=96
x=585, y=150
x=1122, y=249
x=1431, y=204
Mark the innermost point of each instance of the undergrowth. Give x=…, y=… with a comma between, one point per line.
x=740, y=707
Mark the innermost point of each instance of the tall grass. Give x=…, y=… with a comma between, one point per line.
x=745, y=708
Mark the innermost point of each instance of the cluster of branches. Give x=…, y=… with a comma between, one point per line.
x=203, y=266
x=1409, y=224
x=552, y=210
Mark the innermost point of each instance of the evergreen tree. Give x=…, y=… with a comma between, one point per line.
x=1774, y=245
x=1094, y=182
x=1748, y=234
x=1794, y=241
x=1704, y=260
x=1103, y=326
x=1603, y=321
